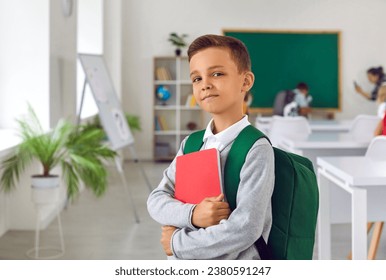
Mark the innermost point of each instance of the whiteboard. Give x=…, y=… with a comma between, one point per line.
x=110, y=110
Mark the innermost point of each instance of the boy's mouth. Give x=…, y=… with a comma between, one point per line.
x=210, y=96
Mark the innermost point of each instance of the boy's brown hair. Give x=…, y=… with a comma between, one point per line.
x=302, y=86
x=237, y=49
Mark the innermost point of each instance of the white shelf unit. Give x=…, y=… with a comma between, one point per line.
x=172, y=116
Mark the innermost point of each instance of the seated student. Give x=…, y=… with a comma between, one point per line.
x=220, y=69
x=300, y=106
x=376, y=76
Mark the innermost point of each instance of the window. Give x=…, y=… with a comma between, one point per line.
x=90, y=40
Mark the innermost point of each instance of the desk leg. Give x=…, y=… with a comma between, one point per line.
x=359, y=221
x=324, y=225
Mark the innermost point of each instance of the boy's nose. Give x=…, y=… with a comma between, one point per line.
x=206, y=87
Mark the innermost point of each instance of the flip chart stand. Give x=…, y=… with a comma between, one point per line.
x=119, y=163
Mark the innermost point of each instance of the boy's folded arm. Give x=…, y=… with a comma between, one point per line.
x=246, y=223
x=166, y=210
x=163, y=207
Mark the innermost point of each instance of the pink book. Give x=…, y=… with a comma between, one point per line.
x=198, y=175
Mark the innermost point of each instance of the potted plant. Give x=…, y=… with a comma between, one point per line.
x=77, y=149
x=178, y=41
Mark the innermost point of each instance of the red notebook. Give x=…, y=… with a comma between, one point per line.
x=198, y=175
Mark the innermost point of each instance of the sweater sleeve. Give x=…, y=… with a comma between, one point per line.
x=163, y=207
x=247, y=221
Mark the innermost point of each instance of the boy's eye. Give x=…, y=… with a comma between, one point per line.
x=196, y=79
x=217, y=74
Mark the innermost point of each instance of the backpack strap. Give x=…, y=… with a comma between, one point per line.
x=194, y=142
x=235, y=161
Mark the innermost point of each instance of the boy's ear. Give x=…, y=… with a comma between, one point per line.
x=249, y=79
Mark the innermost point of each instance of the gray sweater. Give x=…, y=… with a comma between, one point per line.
x=233, y=238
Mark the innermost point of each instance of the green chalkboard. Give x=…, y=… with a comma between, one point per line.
x=280, y=60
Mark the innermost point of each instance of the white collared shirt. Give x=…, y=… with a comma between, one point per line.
x=225, y=137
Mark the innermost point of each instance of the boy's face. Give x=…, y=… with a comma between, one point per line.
x=217, y=84
x=304, y=92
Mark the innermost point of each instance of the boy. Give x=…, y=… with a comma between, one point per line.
x=220, y=70
x=303, y=99
x=301, y=103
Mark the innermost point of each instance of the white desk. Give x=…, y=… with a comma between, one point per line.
x=330, y=125
x=319, y=144
x=263, y=123
x=363, y=180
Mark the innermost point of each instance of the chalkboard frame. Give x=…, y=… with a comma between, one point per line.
x=337, y=33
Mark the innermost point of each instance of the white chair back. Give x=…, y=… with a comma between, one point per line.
x=363, y=127
x=295, y=128
x=377, y=148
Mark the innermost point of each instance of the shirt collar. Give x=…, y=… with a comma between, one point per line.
x=226, y=136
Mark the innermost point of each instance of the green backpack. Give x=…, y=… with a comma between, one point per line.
x=295, y=198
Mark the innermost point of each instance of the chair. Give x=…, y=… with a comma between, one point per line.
x=281, y=99
x=377, y=148
x=296, y=128
x=363, y=127
x=376, y=151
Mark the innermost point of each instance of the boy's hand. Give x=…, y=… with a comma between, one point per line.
x=166, y=236
x=304, y=111
x=210, y=212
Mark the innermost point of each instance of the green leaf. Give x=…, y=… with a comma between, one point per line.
x=13, y=166
x=71, y=179
x=177, y=40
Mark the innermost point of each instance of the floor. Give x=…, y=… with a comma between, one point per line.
x=105, y=229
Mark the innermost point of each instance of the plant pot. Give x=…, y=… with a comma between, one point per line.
x=45, y=190
x=178, y=52
x=41, y=182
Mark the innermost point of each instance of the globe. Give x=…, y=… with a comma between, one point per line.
x=163, y=94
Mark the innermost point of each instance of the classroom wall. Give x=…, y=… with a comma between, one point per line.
x=147, y=24
x=24, y=67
